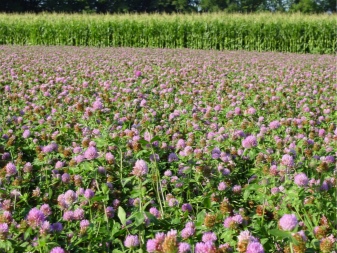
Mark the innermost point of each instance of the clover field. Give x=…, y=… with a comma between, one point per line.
x=166, y=151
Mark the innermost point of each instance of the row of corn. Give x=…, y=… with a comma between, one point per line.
x=260, y=32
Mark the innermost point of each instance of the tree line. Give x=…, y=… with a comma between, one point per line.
x=167, y=6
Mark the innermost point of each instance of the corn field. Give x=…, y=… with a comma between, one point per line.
x=259, y=32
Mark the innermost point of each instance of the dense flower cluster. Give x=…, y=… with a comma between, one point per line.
x=288, y=222
x=159, y=150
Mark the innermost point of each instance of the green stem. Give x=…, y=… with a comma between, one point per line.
x=291, y=247
x=38, y=241
x=121, y=167
x=158, y=185
x=264, y=206
x=90, y=212
x=99, y=225
x=140, y=195
x=14, y=202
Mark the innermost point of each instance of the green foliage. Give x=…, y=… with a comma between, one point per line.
x=306, y=6
x=165, y=6
x=259, y=32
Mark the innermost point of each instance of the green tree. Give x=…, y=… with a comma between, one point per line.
x=214, y=5
x=20, y=6
x=306, y=6
x=232, y=5
x=250, y=5
x=169, y=6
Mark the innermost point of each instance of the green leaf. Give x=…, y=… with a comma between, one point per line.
x=105, y=189
x=151, y=217
x=122, y=215
x=280, y=234
x=78, y=241
x=310, y=250
x=3, y=245
x=27, y=233
x=227, y=235
x=139, y=218
x=264, y=241
x=126, y=180
x=24, y=244
x=246, y=194
x=156, y=138
x=248, y=190
x=101, y=142
x=85, y=166
x=252, y=154
x=117, y=251
x=143, y=142
x=115, y=229
x=175, y=221
x=98, y=198
x=50, y=192
x=200, y=218
x=207, y=202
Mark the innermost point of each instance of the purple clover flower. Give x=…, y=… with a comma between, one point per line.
x=187, y=232
x=57, y=227
x=138, y=73
x=172, y=157
x=287, y=160
x=173, y=202
x=110, y=158
x=35, y=218
x=184, y=247
x=91, y=153
x=236, y=189
x=131, y=241
x=209, y=237
x=206, y=247
x=84, y=224
x=68, y=215
x=186, y=207
x=45, y=208
x=222, y=186
x=110, y=211
x=249, y=142
x=140, y=169
x=255, y=247
x=70, y=197
x=65, y=178
x=155, y=245
x=50, y=148
x=246, y=236
x=274, y=124
x=288, y=222
x=11, y=169
x=59, y=165
x=97, y=105
x=77, y=150
x=78, y=159
x=4, y=228
x=155, y=212
x=251, y=111
x=57, y=250
x=79, y=214
x=45, y=228
x=88, y=194
x=26, y=134
x=301, y=179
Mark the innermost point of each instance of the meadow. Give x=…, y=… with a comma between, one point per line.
x=166, y=151
x=297, y=33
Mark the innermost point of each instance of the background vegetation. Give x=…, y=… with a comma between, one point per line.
x=168, y=6
x=261, y=32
